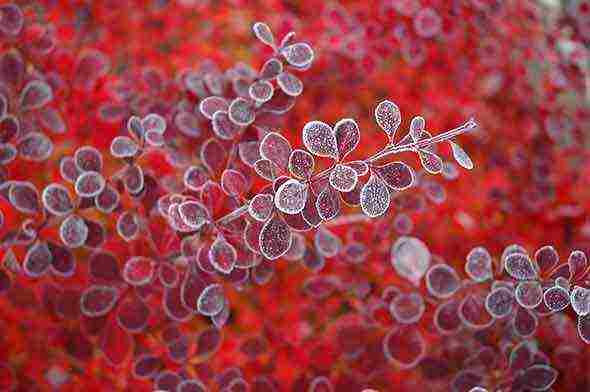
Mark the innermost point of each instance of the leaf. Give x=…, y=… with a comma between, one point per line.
x=276, y=149
x=410, y=258
x=123, y=147
x=261, y=207
x=57, y=200
x=233, y=182
x=299, y=55
x=275, y=238
x=319, y=139
x=35, y=147
x=301, y=164
x=211, y=105
x=73, y=231
x=35, y=95
x=431, y=162
x=343, y=178
x=347, y=135
x=461, y=156
x=90, y=184
x=478, y=265
x=417, y=127
x=264, y=34
x=388, y=117
x=520, y=267
x=291, y=197
x=499, y=302
x=211, y=300
x=139, y=270
x=271, y=69
x=222, y=255
x=97, y=301
x=261, y=91
x=374, y=197
x=328, y=204
x=290, y=84
x=442, y=281
x=88, y=158
x=242, y=112
x=397, y=175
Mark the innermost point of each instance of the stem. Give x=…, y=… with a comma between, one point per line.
x=442, y=137
x=233, y=215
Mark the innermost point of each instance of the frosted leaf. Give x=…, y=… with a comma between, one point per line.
x=529, y=294
x=194, y=178
x=388, y=117
x=264, y=34
x=556, y=298
x=249, y=153
x=275, y=238
x=276, y=149
x=407, y=308
x=539, y=377
x=499, y=302
x=107, y=200
x=73, y=231
x=233, y=182
x=450, y=171
x=546, y=258
x=343, y=178
x=139, y=270
x=134, y=127
x=397, y=175
x=34, y=146
x=410, y=258
x=319, y=139
x=211, y=300
x=35, y=95
x=68, y=169
x=261, y=207
x=271, y=69
x=405, y=347
x=327, y=243
x=461, y=156
x=266, y=169
x=347, y=136
x=478, y=265
x=261, y=91
x=154, y=122
x=562, y=282
x=213, y=155
x=57, y=200
x=133, y=179
x=446, y=317
x=211, y=105
x=290, y=84
x=123, y=147
x=223, y=126
x=431, y=162
x=7, y=153
x=241, y=112
x=473, y=313
x=328, y=204
x=37, y=260
x=89, y=184
x=186, y=122
x=577, y=262
x=24, y=197
x=417, y=126
x=374, y=197
x=301, y=163
x=291, y=196
x=442, y=281
x=525, y=322
x=193, y=214
x=9, y=128
x=584, y=328
x=299, y=55
x=221, y=318
x=88, y=158
x=287, y=38
x=97, y=301
x=173, y=306
x=11, y=22
x=520, y=267
x=128, y=226
x=580, y=300
x=222, y=255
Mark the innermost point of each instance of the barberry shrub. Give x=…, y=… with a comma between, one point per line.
x=152, y=223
